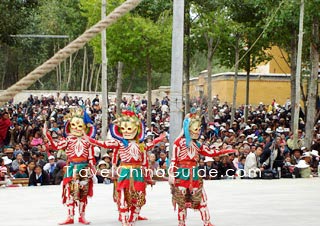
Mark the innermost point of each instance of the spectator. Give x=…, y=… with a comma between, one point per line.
x=252, y=166
x=17, y=150
x=102, y=173
x=22, y=172
x=30, y=168
x=5, y=124
x=38, y=177
x=50, y=167
x=17, y=162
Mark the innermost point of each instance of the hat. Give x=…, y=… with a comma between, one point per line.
x=242, y=135
x=250, y=136
x=153, y=112
x=51, y=157
x=268, y=130
x=6, y=160
x=297, y=149
x=286, y=130
x=105, y=156
x=306, y=155
x=102, y=162
x=223, y=124
x=209, y=159
x=202, y=137
x=230, y=131
x=279, y=130
x=314, y=153
x=52, y=119
x=149, y=134
x=302, y=164
x=253, y=125
x=217, y=144
x=8, y=150
x=247, y=128
x=3, y=169
x=222, y=129
x=22, y=166
x=303, y=148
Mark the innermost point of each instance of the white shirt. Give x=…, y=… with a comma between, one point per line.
x=251, y=165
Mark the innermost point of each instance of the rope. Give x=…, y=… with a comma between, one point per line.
x=64, y=53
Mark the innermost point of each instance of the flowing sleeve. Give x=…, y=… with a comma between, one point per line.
x=57, y=145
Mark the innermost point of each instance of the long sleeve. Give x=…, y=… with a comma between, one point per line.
x=61, y=144
x=110, y=144
x=150, y=145
x=206, y=151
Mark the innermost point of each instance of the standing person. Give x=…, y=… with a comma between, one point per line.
x=128, y=132
x=186, y=185
x=5, y=123
x=77, y=182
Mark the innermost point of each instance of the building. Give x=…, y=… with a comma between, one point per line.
x=263, y=87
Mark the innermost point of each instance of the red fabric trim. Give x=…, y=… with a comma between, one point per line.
x=186, y=183
x=139, y=186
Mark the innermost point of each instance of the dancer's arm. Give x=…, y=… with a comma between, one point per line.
x=173, y=163
x=109, y=144
x=60, y=145
x=150, y=145
x=206, y=151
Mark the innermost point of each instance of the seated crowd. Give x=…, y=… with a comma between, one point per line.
x=263, y=144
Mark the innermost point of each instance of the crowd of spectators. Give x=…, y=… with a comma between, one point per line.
x=263, y=143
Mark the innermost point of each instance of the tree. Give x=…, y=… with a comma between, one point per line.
x=143, y=45
x=210, y=25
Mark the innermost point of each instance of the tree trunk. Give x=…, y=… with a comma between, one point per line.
x=97, y=79
x=188, y=56
x=84, y=67
x=69, y=72
x=312, y=97
x=91, y=75
x=149, y=74
x=119, y=86
x=235, y=82
x=293, y=68
x=87, y=75
x=130, y=83
x=209, y=69
x=6, y=58
x=248, y=67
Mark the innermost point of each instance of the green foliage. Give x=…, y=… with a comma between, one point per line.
x=14, y=16
x=133, y=40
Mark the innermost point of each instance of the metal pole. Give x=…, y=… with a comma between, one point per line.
x=176, y=71
x=104, y=79
x=298, y=76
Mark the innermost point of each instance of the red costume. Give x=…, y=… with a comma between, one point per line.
x=77, y=182
x=132, y=172
x=186, y=183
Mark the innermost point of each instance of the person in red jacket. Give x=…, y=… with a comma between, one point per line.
x=5, y=123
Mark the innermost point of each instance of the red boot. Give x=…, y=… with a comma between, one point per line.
x=82, y=220
x=82, y=211
x=209, y=224
x=68, y=221
x=142, y=218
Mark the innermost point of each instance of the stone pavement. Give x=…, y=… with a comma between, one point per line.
x=285, y=202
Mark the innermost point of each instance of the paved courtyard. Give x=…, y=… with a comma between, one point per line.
x=285, y=202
